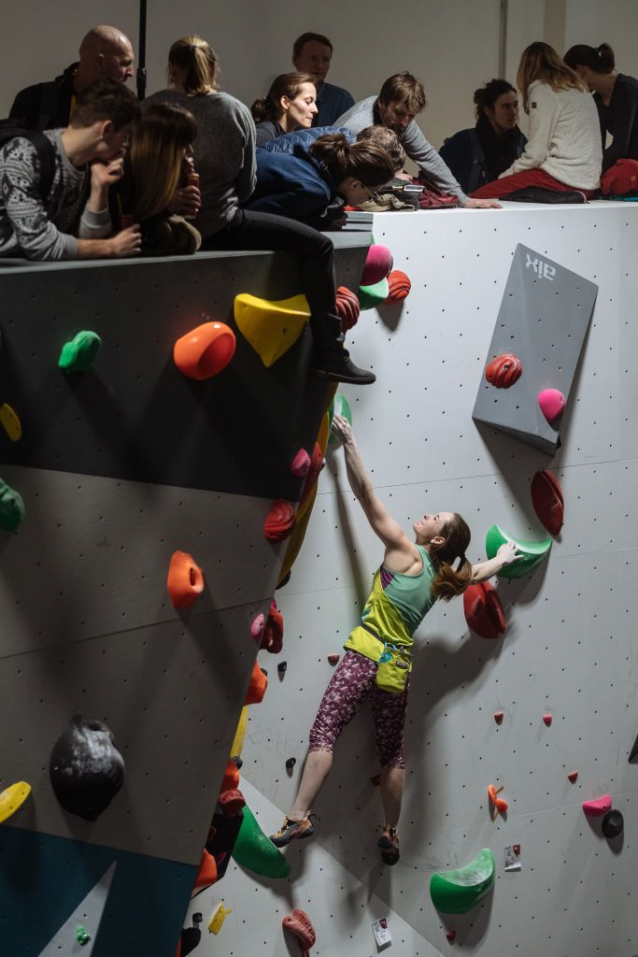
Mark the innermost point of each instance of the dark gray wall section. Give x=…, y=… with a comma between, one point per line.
x=543, y=319
x=134, y=416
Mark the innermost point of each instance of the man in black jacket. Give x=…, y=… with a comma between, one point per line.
x=104, y=52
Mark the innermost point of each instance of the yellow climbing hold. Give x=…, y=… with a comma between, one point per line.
x=240, y=734
x=271, y=328
x=217, y=918
x=11, y=422
x=12, y=798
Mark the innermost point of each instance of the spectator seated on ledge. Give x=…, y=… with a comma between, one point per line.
x=312, y=53
x=400, y=99
x=563, y=152
x=44, y=227
x=616, y=98
x=159, y=187
x=290, y=104
x=305, y=138
x=104, y=52
x=479, y=155
x=314, y=185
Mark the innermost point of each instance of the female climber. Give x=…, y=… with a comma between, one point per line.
x=224, y=154
x=377, y=662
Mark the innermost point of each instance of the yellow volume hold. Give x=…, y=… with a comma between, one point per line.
x=12, y=798
x=10, y=421
x=217, y=918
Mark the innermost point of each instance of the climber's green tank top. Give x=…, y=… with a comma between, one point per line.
x=396, y=607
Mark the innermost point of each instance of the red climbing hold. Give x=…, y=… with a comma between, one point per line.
x=257, y=686
x=280, y=521
x=205, y=351
x=451, y=935
x=547, y=499
x=185, y=581
x=503, y=371
x=399, y=285
x=232, y=802
x=299, y=924
x=273, y=634
x=333, y=659
x=348, y=308
x=483, y=610
x=498, y=716
x=573, y=776
x=547, y=718
x=316, y=465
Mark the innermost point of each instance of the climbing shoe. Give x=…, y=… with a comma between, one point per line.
x=292, y=830
x=388, y=844
x=337, y=366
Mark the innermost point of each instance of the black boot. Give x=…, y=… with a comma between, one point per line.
x=331, y=359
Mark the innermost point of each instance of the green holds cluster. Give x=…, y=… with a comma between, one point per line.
x=457, y=891
x=339, y=406
x=256, y=852
x=12, y=509
x=372, y=296
x=79, y=353
x=532, y=553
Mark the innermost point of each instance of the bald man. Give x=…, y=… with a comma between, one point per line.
x=104, y=52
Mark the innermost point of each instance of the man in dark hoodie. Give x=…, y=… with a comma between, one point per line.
x=104, y=52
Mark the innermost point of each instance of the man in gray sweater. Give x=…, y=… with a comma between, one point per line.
x=401, y=98
x=53, y=204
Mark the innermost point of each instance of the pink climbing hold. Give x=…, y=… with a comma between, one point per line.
x=498, y=716
x=300, y=464
x=257, y=627
x=552, y=404
x=547, y=718
x=377, y=265
x=573, y=776
x=598, y=806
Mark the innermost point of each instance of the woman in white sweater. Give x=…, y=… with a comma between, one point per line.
x=563, y=152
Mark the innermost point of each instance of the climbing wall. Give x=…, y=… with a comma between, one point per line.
x=119, y=467
x=569, y=650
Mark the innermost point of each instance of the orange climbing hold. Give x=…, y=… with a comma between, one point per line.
x=280, y=521
x=273, y=633
x=257, y=686
x=348, y=308
x=231, y=777
x=399, y=285
x=206, y=875
x=185, y=581
x=499, y=805
x=232, y=802
x=205, y=351
x=299, y=924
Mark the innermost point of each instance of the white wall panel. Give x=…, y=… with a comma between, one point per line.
x=570, y=645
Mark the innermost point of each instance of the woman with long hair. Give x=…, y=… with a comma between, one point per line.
x=479, y=155
x=226, y=163
x=156, y=191
x=377, y=663
x=290, y=104
x=615, y=96
x=314, y=185
x=563, y=152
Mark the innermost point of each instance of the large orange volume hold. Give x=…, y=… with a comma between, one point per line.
x=185, y=581
x=205, y=351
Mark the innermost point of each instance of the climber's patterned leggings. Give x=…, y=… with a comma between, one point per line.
x=351, y=683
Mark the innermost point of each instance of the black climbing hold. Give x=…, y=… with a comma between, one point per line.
x=613, y=824
x=281, y=667
x=290, y=763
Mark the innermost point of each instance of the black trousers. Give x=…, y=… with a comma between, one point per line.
x=249, y=229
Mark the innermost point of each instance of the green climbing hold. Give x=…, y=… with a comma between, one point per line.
x=455, y=892
x=339, y=406
x=256, y=852
x=79, y=353
x=532, y=553
x=372, y=296
x=11, y=507
x=82, y=936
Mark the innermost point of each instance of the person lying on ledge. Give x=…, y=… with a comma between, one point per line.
x=378, y=659
x=68, y=217
x=290, y=104
x=563, y=153
x=400, y=100
x=479, y=155
x=314, y=185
